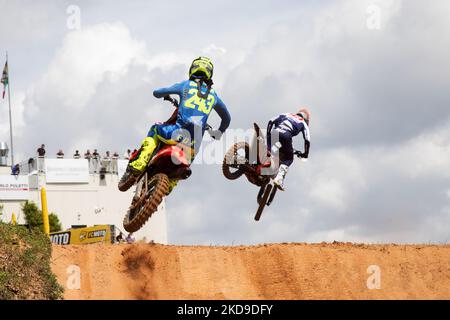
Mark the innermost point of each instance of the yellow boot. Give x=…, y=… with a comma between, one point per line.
x=148, y=146
x=137, y=166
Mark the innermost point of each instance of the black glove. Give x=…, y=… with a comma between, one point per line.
x=301, y=154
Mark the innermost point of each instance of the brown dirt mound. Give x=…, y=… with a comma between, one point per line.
x=277, y=271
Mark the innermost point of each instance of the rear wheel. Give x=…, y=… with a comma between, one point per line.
x=238, y=154
x=146, y=202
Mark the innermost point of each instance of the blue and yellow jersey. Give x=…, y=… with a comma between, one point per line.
x=194, y=110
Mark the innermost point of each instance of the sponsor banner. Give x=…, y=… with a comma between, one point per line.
x=87, y=235
x=60, y=237
x=67, y=170
x=122, y=167
x=14, y=187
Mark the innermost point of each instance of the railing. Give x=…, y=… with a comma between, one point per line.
x=103, y=165
x=31, y=165
x=97, y=165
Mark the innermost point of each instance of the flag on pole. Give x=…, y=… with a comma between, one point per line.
x=5, y=79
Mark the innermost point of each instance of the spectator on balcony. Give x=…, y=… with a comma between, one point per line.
x=115, y=158
x=41, y=151
x=106, y=161
x=30, y=165
x=77, y=155
x=40, y=160
x=95, y=160
x=127, y=155
x=15, y=170
x=60, y=154
x=88, y=155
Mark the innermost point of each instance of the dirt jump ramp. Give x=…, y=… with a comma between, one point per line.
x=275, y=271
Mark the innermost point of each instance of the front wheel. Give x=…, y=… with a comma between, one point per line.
x=263, y=196
x=150, y=194
x=126, y=182
x=238, y=154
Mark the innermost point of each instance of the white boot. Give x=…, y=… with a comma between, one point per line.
x=279, y=179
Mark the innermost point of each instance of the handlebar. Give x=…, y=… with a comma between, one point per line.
x=298, y=153
x=171, y=100
x=209, y=129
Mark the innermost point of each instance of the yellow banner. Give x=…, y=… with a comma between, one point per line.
x=101, y=233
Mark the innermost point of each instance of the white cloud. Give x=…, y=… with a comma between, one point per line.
x=343, y=234
x=95, y=82
x=339, y=178
x=212, y=49
x=425, y=155
x=85, y=59
x=331, y=193
x=188, y=214
x=17, y=108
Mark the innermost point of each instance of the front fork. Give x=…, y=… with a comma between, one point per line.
x=143, y=187
x=142, y=184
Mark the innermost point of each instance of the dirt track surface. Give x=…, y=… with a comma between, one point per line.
x=278, y=271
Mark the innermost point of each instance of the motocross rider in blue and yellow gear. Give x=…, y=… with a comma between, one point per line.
x=197, y=100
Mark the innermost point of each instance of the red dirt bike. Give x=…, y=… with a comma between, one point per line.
x=168, y=163
x=253, y=161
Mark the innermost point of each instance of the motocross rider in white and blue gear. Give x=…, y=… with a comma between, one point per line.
x=287, y=126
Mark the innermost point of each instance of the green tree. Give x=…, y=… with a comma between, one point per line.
x=33, y=217
x=55, y=224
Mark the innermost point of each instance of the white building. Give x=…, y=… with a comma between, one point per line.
x=77, y=194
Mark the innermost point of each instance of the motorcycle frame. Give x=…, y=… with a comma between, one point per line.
x=258, y=152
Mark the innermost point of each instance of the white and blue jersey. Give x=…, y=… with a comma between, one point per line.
x=292, y=124
x=287, y=125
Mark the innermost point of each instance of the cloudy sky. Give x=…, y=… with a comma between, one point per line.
x=375, y=74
